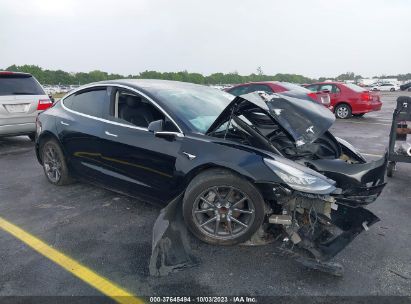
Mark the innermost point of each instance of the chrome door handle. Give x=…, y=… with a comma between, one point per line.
x=64, y=123
x=110, y=134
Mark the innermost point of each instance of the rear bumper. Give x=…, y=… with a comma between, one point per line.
x=17, y=129
x=375, y=106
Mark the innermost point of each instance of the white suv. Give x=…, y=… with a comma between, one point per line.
x=21, y=99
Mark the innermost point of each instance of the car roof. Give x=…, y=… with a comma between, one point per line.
x=14, y=73
x=327, y=82
x=151, y=84
x=257, y=82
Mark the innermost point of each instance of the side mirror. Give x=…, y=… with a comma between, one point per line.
x=326, y=91
x=156, y=126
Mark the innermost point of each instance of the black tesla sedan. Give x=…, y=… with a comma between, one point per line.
x=240, y=163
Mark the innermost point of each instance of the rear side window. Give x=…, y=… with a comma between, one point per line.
x=19, y=85
x=354, y=87
x=332, y=88
x=91, y=102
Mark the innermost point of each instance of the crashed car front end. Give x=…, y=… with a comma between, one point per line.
x=325, y=182
x=314, y=185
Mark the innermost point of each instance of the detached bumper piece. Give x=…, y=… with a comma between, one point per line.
x=351, y=221
x=358, y=196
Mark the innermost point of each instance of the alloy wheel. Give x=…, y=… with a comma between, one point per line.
x=223, y=212
x=343, y=112
x=52, y=164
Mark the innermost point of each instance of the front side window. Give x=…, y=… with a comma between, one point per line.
x=133, y=109
x=90, y=102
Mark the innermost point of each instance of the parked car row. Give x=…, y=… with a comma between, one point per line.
x=284, y=88
x=344, y=99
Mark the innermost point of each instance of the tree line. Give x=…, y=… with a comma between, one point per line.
x=55, y=77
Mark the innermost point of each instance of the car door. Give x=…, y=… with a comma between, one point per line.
x=333, y=91
x=135, y=160
x=80, y=129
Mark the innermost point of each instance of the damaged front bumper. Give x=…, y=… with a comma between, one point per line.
x=318, y=227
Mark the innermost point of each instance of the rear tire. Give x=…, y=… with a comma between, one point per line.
x=222, y=208
x=392, y=90
x=343, y=111
x=54, y=163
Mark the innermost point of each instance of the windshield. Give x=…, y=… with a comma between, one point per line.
x=19, y=85
x=355, y=87
x=197, y=106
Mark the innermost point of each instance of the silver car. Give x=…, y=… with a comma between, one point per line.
x=21, y=99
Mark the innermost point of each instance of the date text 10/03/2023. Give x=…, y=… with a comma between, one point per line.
x=203, y=299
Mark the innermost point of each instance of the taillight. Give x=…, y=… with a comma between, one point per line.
x=366, y=96
x=44, y=104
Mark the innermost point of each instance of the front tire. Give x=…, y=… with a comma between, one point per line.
x=392, y=90
x=54, y=163
x=343, y=111
x=222, y=208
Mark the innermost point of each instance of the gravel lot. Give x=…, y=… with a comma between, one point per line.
x=111, y=234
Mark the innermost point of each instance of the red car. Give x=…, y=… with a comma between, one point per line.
x=348, y=99
x=286, y=88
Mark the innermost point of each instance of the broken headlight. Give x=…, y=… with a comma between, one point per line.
x=300, y=180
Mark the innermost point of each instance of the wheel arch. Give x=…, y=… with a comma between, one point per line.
x=341, y=103
x=263, y=186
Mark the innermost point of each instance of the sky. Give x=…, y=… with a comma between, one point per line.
x=308, y=37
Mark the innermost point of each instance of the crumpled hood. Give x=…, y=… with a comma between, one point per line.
x=304, y=120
